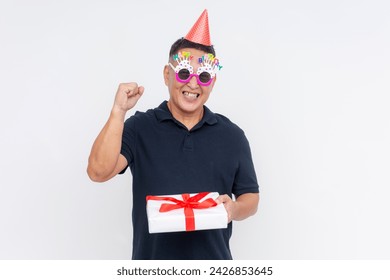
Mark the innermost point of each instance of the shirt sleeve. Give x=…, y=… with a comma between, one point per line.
x=245, y=180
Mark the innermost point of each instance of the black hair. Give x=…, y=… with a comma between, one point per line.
x=184, y=43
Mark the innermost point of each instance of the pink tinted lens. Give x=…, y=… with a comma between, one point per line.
x=204, y=79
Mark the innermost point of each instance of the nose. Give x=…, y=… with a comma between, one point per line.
x=193, y=83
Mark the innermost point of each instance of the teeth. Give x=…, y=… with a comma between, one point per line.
x=189, y=94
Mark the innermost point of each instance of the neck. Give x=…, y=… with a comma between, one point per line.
x=189, y=120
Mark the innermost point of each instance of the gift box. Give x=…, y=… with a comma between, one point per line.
x=185, y=212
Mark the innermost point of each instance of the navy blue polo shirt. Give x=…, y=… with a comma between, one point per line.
x=166, y=158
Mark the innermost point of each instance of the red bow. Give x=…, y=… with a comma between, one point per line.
x=188, y=203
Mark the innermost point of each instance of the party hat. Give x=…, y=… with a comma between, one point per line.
x=200, y=33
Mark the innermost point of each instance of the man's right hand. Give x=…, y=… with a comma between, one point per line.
x=105, y=160
x=127, y=96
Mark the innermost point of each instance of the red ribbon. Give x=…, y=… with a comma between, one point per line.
x=188, y=203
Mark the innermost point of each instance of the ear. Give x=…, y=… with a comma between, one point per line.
x=166, y=74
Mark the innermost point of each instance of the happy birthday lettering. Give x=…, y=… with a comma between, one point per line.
x=183, y=55
x=209, y=58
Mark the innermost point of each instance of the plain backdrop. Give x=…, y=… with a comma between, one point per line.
x=308, y=82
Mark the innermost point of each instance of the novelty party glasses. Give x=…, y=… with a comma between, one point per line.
x=184, y=75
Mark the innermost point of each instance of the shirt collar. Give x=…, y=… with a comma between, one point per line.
x=163, y=113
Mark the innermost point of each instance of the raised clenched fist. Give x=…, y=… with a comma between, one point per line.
x=127, y=96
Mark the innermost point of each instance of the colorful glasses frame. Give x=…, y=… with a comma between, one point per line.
x=177, y=71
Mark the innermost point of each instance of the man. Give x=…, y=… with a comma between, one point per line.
x=179, y=147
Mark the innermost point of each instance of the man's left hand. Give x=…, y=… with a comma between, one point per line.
x=244, y=206
x=228, y=203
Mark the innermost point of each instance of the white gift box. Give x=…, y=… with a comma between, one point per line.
x=175, y=220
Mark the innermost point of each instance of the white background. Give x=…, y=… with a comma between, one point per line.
x=308, y=81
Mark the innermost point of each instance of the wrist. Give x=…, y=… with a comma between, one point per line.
x=118, y=112
x=233, y=214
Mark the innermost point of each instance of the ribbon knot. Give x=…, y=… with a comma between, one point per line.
x=188, y=203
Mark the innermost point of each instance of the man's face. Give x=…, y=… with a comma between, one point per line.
x=189, y=97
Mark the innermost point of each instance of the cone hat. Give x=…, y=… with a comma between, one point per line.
x=200, y=32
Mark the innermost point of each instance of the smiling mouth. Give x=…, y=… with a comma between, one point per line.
x=190, y=94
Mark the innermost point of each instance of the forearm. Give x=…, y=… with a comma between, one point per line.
x=106, y=148
x=245, y=206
